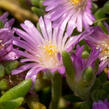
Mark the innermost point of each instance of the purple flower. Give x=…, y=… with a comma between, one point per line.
x=75, y=13
x=101, y=105
x=6, y=38
x=99, y=40
x=7, y=23
x=81, y=72
x=43, y=48
x=81, y=64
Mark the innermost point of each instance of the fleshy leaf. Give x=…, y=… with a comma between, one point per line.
x=12, y=104
x=18, y=91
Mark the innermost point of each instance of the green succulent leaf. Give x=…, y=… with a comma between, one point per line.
x=103, y=27
x=38, y=3
x=38, y=11
x=10, y=65
x=18, y=91
x=70, y=70
x=106, y=7
x=99, y=14
x=12, y=104
x=35, y=2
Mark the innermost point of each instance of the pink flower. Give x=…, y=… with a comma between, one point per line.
x=6, y=39
x=42, y=48
x=96, y=38
x=75, y=13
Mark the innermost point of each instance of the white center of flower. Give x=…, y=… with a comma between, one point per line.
x=104, y=45
x=48, y=55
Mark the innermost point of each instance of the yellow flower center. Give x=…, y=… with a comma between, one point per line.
x=47, y=55
x=76, y=2
x=50, y=49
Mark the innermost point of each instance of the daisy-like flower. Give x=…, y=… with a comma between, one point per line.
x=43, y=48
x=75, y=13
x=101, y=105
x=6, y=38
x=100, y=40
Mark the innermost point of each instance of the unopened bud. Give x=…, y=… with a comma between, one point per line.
x=88, y=74
x=85, y=54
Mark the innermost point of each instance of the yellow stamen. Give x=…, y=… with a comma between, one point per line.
x=47, y=55
x=50, y=49
x=76, y=2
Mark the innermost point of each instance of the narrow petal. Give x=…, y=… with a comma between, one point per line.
x=23, y=68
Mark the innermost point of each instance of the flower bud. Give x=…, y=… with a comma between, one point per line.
x=88, y=74
x=80, y=74
x=85, y=54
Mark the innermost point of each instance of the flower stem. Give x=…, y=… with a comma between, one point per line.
x=56, y=90
x=100, y=20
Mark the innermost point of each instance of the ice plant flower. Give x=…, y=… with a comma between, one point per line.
x=6, y=38
x=99, y=40
x=101, y=105
x=75, y=13
x=42, y=47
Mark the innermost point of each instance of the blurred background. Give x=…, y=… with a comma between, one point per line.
x=19, y=9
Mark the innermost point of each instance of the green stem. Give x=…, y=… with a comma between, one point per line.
x=102, y=19
x=56, y=90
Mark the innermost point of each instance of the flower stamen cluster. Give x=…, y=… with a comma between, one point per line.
x=76, y=2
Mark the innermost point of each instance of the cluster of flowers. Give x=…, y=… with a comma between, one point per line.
x=42, y=48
